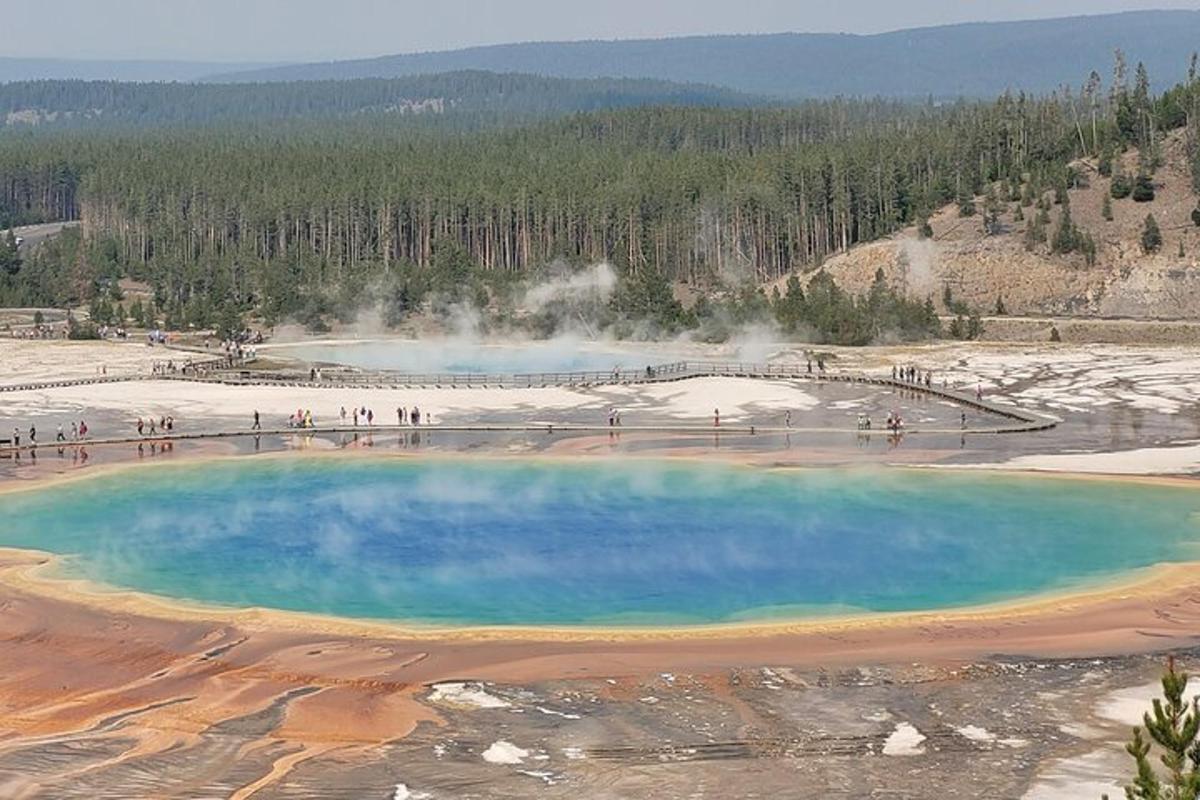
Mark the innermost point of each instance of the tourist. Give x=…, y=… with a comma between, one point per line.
x=308, y=419
x=83, y=430
x=60, y=436
x=152, y=430
x=963, y=420
x=16, y=437
x=257, y=426
x=979, y=393
x=356, y=416
x=612, y=416
x=415, y=416
x=370, y=417
x=343, y=415
x=74, y=432
x=716, y=417
x=141, y=427
x=170, y=424
x=893, y=372
x=33, y=434
x=787, y=419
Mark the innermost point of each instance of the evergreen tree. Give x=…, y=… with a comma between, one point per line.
x=10, y=256
x=1173, y=725
x=1143, y=188
x=1151, y=235
x=789, y=309
x=1121, y=186
x=1087, y=245
x=1066, y=237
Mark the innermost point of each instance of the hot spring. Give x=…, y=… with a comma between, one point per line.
x=451, y=356
x=510, y=542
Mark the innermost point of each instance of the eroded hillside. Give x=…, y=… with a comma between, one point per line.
x=981, y=269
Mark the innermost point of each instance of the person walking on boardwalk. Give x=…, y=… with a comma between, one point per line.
x=257, y=426
x=716, y=417
x=141, y=427
x=343, y=416
x=33, y=434
x=60, y=436
x=16, y=437
x=787, y=418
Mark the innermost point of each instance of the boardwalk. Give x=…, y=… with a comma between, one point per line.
x=1017, y=420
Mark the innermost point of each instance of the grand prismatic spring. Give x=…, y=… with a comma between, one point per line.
x=454, y=356
x=541, y=543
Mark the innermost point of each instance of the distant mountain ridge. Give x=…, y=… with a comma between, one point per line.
x=62, y=69
x=469, y=97
x=972, y=59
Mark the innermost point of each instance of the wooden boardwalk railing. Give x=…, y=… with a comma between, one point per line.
x=677, y=371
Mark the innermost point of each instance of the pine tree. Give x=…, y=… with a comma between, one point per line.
x=1066, y=238
x=10, y=256
x=1151, y=236
x=1121, y=186
x=1172, y=725
x=1143, y=188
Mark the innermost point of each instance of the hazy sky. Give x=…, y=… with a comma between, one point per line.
x=304, y=30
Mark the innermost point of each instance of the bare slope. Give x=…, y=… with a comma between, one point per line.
x=980, y=268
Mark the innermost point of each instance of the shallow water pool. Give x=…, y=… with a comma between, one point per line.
x=566, y=543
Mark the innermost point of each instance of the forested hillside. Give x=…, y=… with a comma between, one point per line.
x=66, y=69
x=460, y=99
x=978, y=60
x=298, y=219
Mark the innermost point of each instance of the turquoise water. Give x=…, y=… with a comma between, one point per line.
x=548, y=543
x=451, y=356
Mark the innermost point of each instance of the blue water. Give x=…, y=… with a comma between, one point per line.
x=526, y=542
x=451, y=356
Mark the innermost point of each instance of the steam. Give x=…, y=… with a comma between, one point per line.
x=917, y=267
x=593, y=285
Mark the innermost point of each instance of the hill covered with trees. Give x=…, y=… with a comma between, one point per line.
x=303, y=219
x=457, y=99
x=978, y=60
